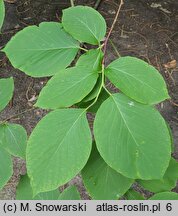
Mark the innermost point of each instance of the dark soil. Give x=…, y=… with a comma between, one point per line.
x=143, y=30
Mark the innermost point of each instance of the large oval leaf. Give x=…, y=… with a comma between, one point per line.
x=58, y=149
x=67, y=88
x=13, y=138
x=165, y=196
x=24, y=191
x=132, y=138
x=6, y=167
x=101, y=181
x=6, y=91
x=167, y=183
x=84, y=24
x=42, y=51
x=2, y=13
x=138, y=80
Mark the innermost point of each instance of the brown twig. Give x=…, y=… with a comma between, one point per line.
x=173, y=103
x=110, y=31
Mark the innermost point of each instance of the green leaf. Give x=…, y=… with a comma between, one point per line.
x=84, y=24
x=24, y=191
x=133, y=195
x=165, y=196
x=6, y=92
x=6, y=167
x=132, y=138
x=101, y=181
x=167, y=183
x=93, y=94
x=71, y=193
x=92, y=59
x=13, y=138
x=138, y=80
x=50, y=195
x=58, y=149
x=42, y=51
x=2, y=13
x=67, y=88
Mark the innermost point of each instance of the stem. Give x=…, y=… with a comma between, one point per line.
x=72, y=3
x=103, y=83
x=111, y=29
x=81, y=48
x=104, y=46
x=99, y=91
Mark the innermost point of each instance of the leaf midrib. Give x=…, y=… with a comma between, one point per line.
x=61, y=142
x=137, y=145
x=124, y=121
x=49, y=49
x=87, y=28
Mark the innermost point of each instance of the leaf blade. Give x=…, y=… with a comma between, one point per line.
x=84, y=24
x=6, y=167
x=67, y=88
x=92, y=59
x=49, y=49
x=128, y=130
x=13, y=138
x=165, y=196
x=138, y=80
x=133, y=195
x=101, y=181
x=24, y=191
x=6, y=92
x=167, y=183
x=70, y=193
x=2, y=13
x=61, y=134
